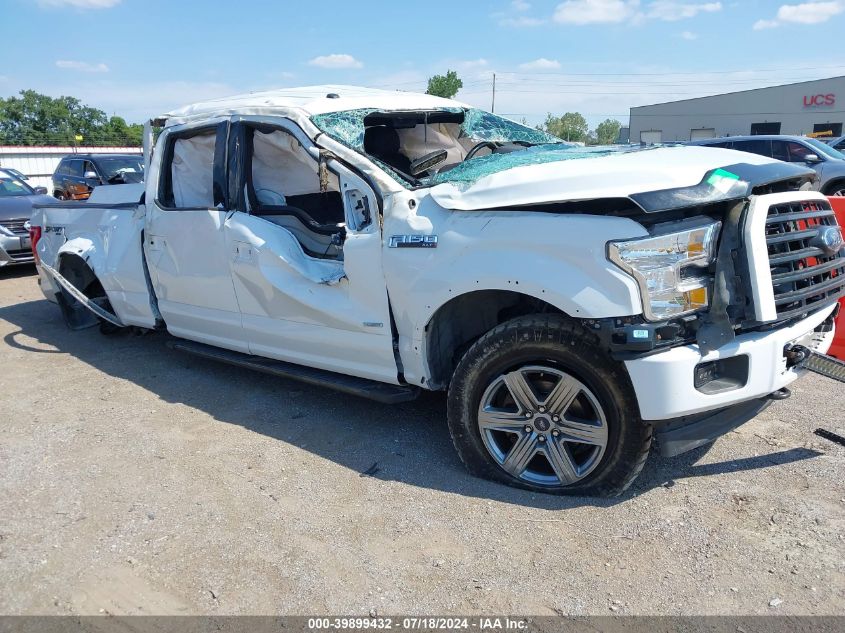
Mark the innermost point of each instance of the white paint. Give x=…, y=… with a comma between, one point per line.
x=614, y=176
x=109, y=240
x=308, y=101
x=664, y=382
x=560, y=259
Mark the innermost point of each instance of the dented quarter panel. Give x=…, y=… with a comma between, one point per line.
x=108, y=239
x=559, y=259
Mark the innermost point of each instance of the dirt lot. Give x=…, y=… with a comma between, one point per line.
x=136, y=479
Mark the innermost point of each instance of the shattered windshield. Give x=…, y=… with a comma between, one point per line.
x=449, y=144
x=468, y=172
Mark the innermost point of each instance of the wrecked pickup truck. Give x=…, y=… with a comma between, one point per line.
x=575, y=303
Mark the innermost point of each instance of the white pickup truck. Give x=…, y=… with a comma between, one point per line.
x=576, y=303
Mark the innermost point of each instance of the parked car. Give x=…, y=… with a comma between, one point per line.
x=15, y=173
x=77, y=175
x=16, y=200
x=837, y=143
x=574, y=302
x=828, y=162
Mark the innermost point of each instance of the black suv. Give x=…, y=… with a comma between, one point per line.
x=78, y=174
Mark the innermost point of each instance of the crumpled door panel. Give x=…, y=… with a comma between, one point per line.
x=307, y=310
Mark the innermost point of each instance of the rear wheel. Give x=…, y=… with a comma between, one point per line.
x=80, y=275
x=536, y=404
x=97, y=294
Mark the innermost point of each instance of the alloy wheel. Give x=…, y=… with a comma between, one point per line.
x=543, y=426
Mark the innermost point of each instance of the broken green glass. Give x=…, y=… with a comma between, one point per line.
x=484, y=126
x=347, y=127
x=470, y=171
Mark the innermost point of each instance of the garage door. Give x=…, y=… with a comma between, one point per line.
x=702, y=133
x=651, y=137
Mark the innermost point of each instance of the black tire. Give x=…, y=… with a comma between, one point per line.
x=96, y=291
x=557, y=342
x=837, y=186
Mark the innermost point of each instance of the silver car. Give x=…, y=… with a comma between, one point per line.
x=16, y=200
x=828, y=162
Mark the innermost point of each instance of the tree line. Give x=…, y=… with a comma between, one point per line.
x=571, y=126
x=32, y=118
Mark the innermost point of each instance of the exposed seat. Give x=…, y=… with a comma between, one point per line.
x=383, y=143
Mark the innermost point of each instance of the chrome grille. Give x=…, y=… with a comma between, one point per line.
x=15, y=226
x=804, y=276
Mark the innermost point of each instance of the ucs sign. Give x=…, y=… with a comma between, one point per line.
x=815, y=101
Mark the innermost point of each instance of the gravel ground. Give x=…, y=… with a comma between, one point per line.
x=136, y=479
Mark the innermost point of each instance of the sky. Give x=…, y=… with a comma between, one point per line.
x=141, y=58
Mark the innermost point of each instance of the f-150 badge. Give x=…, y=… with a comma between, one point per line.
x=413, y=241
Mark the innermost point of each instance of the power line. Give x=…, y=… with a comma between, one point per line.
x=714, y=82
x=668, y=74
x=588, y=93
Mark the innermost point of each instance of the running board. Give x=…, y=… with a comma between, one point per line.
x=370, y=389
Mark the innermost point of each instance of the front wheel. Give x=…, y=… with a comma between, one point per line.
x=837, y=189
x=536, y=404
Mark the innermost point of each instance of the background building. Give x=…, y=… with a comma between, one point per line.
x=804, y=108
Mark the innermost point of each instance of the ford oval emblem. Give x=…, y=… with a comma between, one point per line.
x=830, y=240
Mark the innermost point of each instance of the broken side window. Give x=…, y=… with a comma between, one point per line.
x=285, y=185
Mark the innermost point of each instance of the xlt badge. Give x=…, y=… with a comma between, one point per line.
x=413, y=241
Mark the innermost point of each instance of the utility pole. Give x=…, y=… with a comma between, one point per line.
x=493, y=105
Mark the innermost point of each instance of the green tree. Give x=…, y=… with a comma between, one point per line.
x=36, y=119
x=446, y=86
x=569, y=127
x=608, y=131
x=122, y=133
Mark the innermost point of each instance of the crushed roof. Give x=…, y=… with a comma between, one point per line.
x=311, y=100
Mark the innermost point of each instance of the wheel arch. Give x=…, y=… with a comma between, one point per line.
x=77, y=271
x=76, y=254
x=462, y=320
x=833, y=185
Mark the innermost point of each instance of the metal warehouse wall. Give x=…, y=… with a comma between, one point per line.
x=798, y=107
x=39, y=163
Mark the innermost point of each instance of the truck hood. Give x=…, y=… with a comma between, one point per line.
x=19, y=207
x=656, y=179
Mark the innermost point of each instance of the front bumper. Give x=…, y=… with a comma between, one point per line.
x=664, y=382
x=690, y=432
x=15, y=250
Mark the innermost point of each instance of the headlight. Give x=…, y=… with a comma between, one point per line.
x=671, y=268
